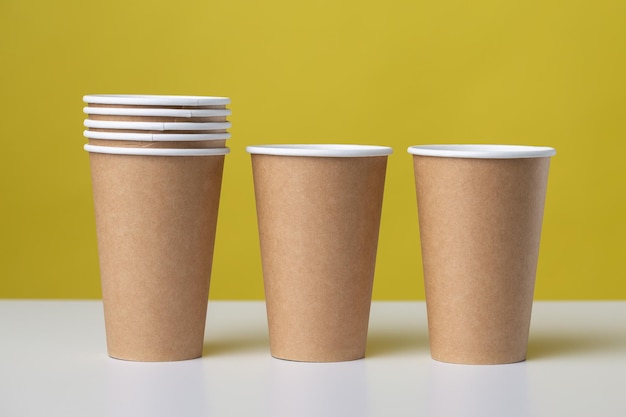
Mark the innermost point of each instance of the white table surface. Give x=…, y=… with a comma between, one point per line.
x=53, y=362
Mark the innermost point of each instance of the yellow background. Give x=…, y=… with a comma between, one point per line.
x=394, y=73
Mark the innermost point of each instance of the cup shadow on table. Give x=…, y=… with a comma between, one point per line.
x=540, y=346
x=379, y=343
x=236, y=343
x=386, y=342
x=552, y=345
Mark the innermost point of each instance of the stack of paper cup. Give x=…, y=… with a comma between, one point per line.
x=156, y=167
x=157, y=121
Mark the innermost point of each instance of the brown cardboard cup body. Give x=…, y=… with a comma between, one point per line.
x=318, y=226
x=155, y=222
x=480, y=225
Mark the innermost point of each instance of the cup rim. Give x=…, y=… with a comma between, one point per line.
x=113, y=150
x=481, y=151
x=114, y=124
x=155, y=100
x=320, y=150
x=156, y=112
x=156, y=137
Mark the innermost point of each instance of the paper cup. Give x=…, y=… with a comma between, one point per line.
x=156, y=126
x=156, y=213
x=138, y=100
x=111, y=118
x=156, y=115
x=153, y=121
x=480, y=210
x=155, y=112
x=318, y=209
x=156, y=140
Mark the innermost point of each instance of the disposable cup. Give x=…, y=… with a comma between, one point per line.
x=480, y=210
x=156, y=112
x=156, y=140
x=318, y=209
x=156, y=115
x=156, y=126
x=115, y=118
x=156, y=213
x=156, y=134
x=171, y=101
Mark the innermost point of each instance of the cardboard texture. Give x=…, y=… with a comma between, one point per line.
x=155, y=219
x=480, y=225
x=159, y=144
x=318, y=221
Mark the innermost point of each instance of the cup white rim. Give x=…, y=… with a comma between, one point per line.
x=156, y=112
x=155, y=100
x=156, y=151
x=482, y=151
x=320, y=150
x=156, y=137
x=114, y=124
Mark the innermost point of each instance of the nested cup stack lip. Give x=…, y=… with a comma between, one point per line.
x=156, y=137
x=155, y=100
x=114, y=150
x=156, y=112
x=158, y=126
x=320, y=150
x=482, y=151
x=133, y=127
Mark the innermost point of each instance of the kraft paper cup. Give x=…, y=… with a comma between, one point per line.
x=156, y=126
x=139, y=114
x=318, y=209
x=480, y=210
x=171, y=101
x=157, y=121
x=156, y=140
x=156, y=213
x=157, y=134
